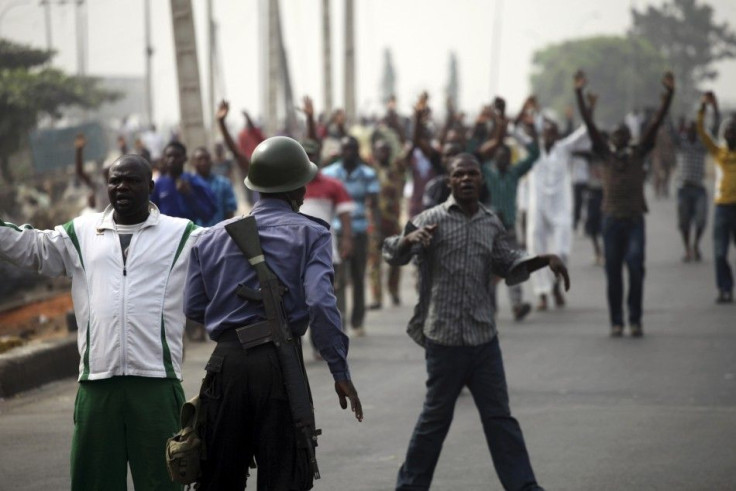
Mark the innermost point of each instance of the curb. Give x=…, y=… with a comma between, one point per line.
x=34, y=365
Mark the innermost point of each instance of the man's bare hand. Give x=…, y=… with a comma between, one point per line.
x=183, y=186
x=346, y=391
x=668, y=81
x=79, y=141
x=346, y=246
x=708, y=98
x=422, y=235
x=592, y=99
x=580, y=80
x=422, y=104
x=530, y=104
x=559, y=269
x=223, y=108
x=307, y=106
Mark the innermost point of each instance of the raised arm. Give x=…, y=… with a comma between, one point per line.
x=42, y=251
x=243, y=161
x=79, y=143
x=708, y=98
x=650, y=135
x=489, y=147
x=599, y=144
x=308, y=110
x=421, y=112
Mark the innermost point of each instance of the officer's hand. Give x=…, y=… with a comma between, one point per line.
x=422, y=235
x=559, y=269
x=345, y=389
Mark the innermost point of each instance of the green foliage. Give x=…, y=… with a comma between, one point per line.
x=28, y=90
x=625, y=72
x=686, y=34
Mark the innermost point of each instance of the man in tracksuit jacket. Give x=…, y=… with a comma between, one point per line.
x=128, y=265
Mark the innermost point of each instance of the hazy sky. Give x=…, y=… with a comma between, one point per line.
x=420, y=33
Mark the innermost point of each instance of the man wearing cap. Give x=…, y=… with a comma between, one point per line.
x=243, y=399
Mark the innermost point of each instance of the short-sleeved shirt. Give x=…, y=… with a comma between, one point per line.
x=359, y=183
x=327, y=198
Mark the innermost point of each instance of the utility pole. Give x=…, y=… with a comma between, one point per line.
x=327, y=56
x=496, y=46
x=80, y=10
x=349, y=62
x=273, y=62
x=285, y=77
x=211, y=65
x=148, y=54
x=47, y=19
x=187, y=70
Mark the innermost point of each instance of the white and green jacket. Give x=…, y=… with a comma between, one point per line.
x=131, y=319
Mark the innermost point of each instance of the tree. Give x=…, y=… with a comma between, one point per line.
x=388, y=81
x=685, y=33
x=30, y=89
x=625, y=71
x=453, y=83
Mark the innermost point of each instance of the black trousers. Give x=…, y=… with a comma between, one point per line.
x=248, y=415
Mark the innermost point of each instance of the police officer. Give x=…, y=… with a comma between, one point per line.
x=243, y=397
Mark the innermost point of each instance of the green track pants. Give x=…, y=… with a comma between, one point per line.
x=121, y=421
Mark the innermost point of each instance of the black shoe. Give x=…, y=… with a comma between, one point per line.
x=617, y=331
x=724, y=297
x=521, y=311
x=375, y=306
x=395, y=300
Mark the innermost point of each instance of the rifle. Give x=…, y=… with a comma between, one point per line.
x=276, y=330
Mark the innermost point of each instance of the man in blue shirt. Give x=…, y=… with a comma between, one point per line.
x=361, y=183
x=225, y=202
x=243, y=396
x=181, y=194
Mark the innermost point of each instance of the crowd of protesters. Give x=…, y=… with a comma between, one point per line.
x=467, y=204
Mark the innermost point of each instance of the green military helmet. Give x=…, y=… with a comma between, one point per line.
x=279, y=164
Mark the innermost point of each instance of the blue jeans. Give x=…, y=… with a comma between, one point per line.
x=624, y=240
x=480, y=368
x=724, y=230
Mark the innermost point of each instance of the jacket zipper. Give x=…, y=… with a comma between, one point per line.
x=123, y=304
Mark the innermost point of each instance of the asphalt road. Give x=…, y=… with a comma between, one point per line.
x=597, y=413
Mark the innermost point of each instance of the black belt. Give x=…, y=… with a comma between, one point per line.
x=248, y=336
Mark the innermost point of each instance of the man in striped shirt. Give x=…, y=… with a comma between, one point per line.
x=460, y=245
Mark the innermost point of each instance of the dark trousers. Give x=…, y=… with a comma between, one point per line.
x=724, y=231
x=480, y=368
x=624, y=241
x=353, y=270
x=248, y=415
x=579, y=191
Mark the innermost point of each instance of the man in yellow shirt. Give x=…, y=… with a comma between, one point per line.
x=724, y=228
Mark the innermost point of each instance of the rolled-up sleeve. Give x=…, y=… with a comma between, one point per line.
x=324, y=318
x=507, y=261
x=391, y=251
